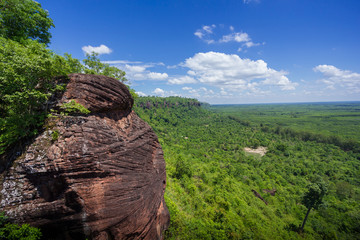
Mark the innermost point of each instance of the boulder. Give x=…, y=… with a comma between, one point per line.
x=96, y=176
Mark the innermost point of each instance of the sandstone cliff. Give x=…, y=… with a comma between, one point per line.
x=103, y=177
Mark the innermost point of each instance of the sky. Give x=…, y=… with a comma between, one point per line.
x=220, y=51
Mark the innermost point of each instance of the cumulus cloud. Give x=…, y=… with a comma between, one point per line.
x=157, y=76
x=162, y=93
x=141, y=72
x=102, y=49
x=135, y=68
x=159, y=91
x=141, y=94
x=232, y=72
x=182, y=80
x=335, y=77
x=192, y=73
x=200, y=92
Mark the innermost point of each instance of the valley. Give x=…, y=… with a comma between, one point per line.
x=212, y=182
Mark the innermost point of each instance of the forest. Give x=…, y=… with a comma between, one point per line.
x=309, y=168
x=216, y=190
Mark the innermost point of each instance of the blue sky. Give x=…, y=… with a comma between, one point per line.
x=220, y=51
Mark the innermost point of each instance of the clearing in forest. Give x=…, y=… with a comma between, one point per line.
x=260, y=150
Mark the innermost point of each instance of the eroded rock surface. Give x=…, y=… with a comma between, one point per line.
x=102, y=178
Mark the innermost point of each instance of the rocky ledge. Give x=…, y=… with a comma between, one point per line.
x=96, y=176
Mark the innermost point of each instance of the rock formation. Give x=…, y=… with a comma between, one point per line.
x=95, y=176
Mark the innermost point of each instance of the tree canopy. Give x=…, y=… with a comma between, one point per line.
x=24, y=19
x=26, y=82
x=93, y=65
x=211, y=178
x=314, y=196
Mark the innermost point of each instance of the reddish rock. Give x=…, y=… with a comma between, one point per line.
x=98, y=93
x=103, y=178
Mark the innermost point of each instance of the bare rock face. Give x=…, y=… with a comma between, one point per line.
x=103, y=177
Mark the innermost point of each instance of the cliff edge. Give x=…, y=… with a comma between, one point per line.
x=98, y=176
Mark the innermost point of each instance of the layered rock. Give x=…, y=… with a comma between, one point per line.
x=103, y=177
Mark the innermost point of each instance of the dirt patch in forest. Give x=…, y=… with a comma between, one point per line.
x=260, y=150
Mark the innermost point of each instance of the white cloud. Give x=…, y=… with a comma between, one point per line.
x=201, y=92
x=102, y=49
x=157, y=76
x=237, y=37
x=172, y=66
x=141, y=94
x=209, y=29
x=251, y=44
x=182, y=80
x=141, y=72
x=135, y=68
x=192, y=73
x=199, y=34
x=335, y=77
x=232, y=72
x=205, y=32
x=206, y=91
x=223, y=92
x=162, y=93
x=159, y=91
x=186, y=88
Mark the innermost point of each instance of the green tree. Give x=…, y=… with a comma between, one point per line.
x=93, y=65
x=182, y=168
x=68, y=64
x=11, y=231
x=24, y=19
x=26, y=81
x=313, y=198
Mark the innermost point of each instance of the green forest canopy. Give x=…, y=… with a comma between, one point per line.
x=211, y=180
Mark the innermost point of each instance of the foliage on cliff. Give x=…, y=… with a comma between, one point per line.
x=28, y=68
x=24, y=19
x=210, y=178
x=11, y=231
